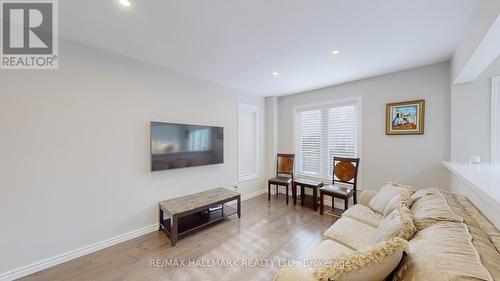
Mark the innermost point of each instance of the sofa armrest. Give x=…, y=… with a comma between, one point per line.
x=366, y=196
x=296, y=272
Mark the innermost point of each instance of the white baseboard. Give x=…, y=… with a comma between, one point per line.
x=253, y=194
x=248, y=196
x=53, y=261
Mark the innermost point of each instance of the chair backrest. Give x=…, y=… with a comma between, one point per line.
x=345, y=170
x=285, y=164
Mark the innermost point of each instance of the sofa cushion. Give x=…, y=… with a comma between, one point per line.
x=481, y=221
x=320, y=256
x=344, y=230
x=399, y=224
x=327, y=250
x=487, y=251
x=431, y=209
x=373, y=263
x=385, y=195
x=458, y=209
x=363, y=214
x=482, y=231
x=442, y=251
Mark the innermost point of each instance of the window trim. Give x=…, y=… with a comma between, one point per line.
x=337, y=102
x=256, y=111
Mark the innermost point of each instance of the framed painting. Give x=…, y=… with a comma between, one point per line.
x=405, y=118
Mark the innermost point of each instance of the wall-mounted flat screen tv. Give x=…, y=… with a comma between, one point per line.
x=176, y=146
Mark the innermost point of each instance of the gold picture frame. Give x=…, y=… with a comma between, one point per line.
x=405, y=118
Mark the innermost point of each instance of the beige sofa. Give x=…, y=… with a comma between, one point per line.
x=453, y=241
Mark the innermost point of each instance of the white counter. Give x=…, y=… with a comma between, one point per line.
x=485, y=177
x=480, y=183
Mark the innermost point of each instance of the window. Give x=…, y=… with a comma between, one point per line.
x=199, y=140
x=248, y=142
x=322, y=132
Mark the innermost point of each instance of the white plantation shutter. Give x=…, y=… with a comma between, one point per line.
x=310, y=141
x=323, y=132
x=248, y=146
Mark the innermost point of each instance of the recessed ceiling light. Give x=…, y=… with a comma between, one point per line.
x=275, y=73
x=335, y=51
x=125, y=3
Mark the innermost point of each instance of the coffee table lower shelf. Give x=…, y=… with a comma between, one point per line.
x=193, y=222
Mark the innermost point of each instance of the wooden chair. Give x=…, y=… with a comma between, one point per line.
x=344, y=183
x=284, y=174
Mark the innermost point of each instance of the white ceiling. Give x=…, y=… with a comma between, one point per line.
x=238, y=43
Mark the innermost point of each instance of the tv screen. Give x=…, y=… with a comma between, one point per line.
x=179, y=145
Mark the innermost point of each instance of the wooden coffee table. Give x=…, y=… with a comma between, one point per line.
x=189, y=213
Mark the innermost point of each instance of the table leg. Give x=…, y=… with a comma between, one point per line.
x=315, y=199
x=173, y=234
x=302, y=195
x=321, y=204
x=161, y=219
x=239, y=207
x=268, y=192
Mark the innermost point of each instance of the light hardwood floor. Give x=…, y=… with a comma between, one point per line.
x=267, y=232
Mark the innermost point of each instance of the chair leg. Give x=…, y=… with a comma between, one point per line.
x=302, y=195
x=315, y=199
x=355, y=198
x=321, y=203
x=294, y=194
x=286, y=192
x=277, y=190
x=346, y=204
x=268, y=192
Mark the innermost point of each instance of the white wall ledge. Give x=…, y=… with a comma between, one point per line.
x=484, y=178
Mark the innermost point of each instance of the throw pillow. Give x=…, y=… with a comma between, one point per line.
x=432, y=209
x=386, y=194
x=373, y=263
x=404, y=198
x=399, y=223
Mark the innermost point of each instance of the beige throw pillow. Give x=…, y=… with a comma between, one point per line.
x=404, y=198
x=398, y=223
x=386, y=194
x=431, y=209
x=373, y=263
x=421, y=193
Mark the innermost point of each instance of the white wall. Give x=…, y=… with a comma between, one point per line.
x=471, y=117
x=407, y=159
x=271, y=134
x=480, y=22
x=471, y=135
x=74, y=146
